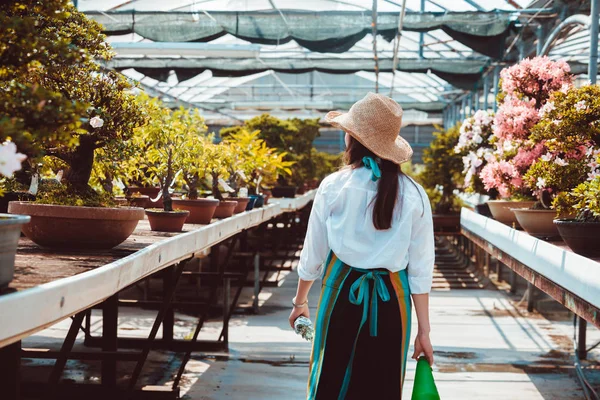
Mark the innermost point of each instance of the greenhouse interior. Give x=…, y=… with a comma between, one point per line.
x=176, y=176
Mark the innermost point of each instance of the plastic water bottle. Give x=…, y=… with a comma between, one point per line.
x=304, y=327
x=243, y=192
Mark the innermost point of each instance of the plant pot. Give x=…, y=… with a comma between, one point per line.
x=142, y=201
x=446, y=223
x=259, y=200
x=242, y=204
x=267, y=194
x=483, y=209
x=251, y=203
x=202, y=211
x=77, y=227
x=166, y=221
x=7, y=197
x=284, y=191
x=582, y=237
x=151, y=192
x=10, y=232
x=225, y=209
x=538, y=223
x=501, y=210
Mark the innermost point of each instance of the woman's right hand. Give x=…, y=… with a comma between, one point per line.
x=423, y=346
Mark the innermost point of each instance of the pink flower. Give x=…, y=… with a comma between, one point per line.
x=515, y=118
x=526, y=157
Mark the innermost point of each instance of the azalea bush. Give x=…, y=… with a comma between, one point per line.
x=571, y=134
x=476, y=148
x=443, y=171
x=525, y=90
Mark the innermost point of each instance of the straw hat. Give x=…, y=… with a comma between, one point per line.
x=375, y=122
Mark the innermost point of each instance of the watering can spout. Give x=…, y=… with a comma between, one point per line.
x=424, y=387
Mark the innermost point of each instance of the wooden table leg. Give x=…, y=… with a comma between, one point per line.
x=10, y=371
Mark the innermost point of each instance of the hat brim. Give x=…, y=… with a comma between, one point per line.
x=400, y=153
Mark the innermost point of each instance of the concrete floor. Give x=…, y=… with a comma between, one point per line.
x=485, y=347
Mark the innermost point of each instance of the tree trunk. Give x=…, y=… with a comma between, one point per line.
x=215, y=187
x=80, y=162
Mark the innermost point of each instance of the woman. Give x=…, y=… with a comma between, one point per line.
x=370, y=237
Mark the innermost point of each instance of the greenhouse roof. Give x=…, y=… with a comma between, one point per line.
x=316, y=55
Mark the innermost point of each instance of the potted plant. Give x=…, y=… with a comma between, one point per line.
x=476, y=149
x=221, y=155
x=440, y=178
x=581, y=233
x=198, y=157
x=164, y=138
x=572, y=139
x=99, y=110
x=526, y=88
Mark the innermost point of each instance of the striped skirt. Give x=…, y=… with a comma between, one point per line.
x=362, y=332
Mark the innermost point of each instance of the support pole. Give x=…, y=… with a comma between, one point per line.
x=496, y=86
x=486, y=91
x=375, y=56
x=581, y=339
x=110, y=316
x=593, y=64
x=10, y=371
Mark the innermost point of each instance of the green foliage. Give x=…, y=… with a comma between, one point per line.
x=583, y=200
x=52, y=192
x=325, y=163
x=443, y=170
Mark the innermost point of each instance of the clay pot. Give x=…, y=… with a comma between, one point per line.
x=166, y=221
x=242, y=204
x=225, y=209
x=7, y=197
x=267, y=194
x=446, y=223
x=201, y=210
x=284, y=191
x=538, y=223
x=501, y=210
x=10, y=232
x=582, y=237
x=77, y=227
x=151, y=192
x=141, y=201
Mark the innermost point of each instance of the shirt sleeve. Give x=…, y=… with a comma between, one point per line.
x=421, y=252
x=315, y=249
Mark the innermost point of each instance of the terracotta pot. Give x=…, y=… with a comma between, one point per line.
x=267, y=194
x=538, y=223
x=77, y=227
x=501, y=210
x=7, y=197
x=582, y=237
x=141, y=201
x=446, y=223
x=151, y=192
x=10, y=232
x=202, y=211
x=242, y=204
x=166, y=221
x=284, y=191
x=225, y=209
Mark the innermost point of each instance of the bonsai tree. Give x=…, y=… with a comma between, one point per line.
x=583, y=200
x=197, y=163
x=219, y=157
x=253, y=161
x=526, y=88
x=442, y=171
x=164, y=139
x=571, y=135
x=476, y=149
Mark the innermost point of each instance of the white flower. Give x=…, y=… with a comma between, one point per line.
x=546, y=157
x=593, y=175
x=97, y=122
x=559, y=161
x=477, y=163
x=10, y=160
x=541, y=183
x=556, y=122
x=477, y=139
x=581, y=105
x=489, y=157
x=593, y=164
x=507, y=145
x=546, y=108
x=565, y=87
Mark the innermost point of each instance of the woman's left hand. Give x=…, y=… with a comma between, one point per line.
x=298, y=311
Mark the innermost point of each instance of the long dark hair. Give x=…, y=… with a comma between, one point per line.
x=387, y=186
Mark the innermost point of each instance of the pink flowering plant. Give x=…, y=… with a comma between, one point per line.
x=476, y=149
x=570, y=131
x=526, y=89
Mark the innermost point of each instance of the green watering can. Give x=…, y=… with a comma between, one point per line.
x=424, y=387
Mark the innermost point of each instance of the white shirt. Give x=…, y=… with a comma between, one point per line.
x=342, y=220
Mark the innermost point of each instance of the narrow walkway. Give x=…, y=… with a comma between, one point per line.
x=485, y=348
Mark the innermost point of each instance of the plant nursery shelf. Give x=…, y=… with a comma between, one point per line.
x=571, y=279
x=50, y=285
